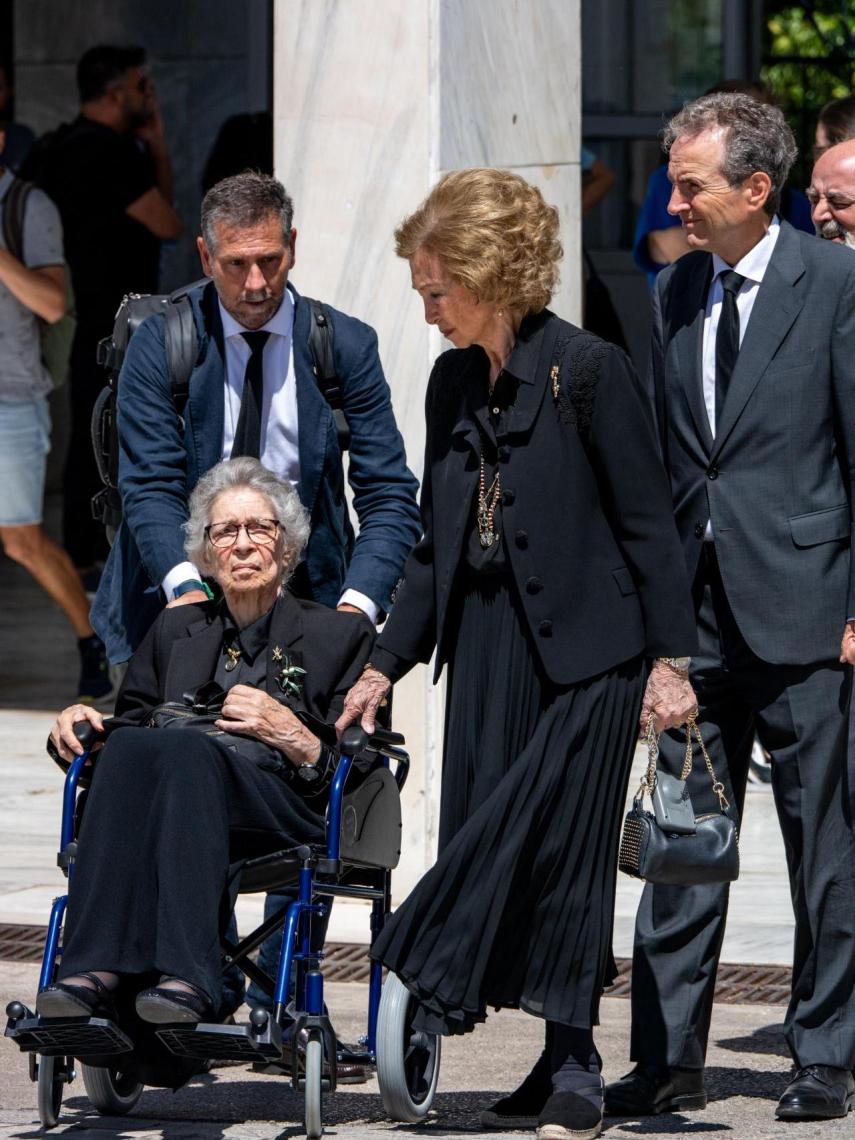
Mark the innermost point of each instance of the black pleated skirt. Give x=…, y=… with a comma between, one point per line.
x=518, y=909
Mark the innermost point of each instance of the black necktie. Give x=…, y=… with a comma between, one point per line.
x=727, y=337
x=247, y=439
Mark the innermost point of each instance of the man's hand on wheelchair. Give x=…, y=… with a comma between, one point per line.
x=363, y=700
x=62, y=733
x=251, y=712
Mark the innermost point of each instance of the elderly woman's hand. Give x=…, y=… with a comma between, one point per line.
x=62, y=733
x=669, y=697
x=251, y=712
x=363, y=700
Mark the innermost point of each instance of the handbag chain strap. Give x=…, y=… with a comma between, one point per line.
x=648, y=780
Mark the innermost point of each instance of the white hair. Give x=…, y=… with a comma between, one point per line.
x=247, y=472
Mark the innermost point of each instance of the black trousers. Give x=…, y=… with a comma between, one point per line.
x=168, y=812
x=800, y=714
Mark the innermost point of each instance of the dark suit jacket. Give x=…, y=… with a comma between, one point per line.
x=179, y=653
x=777, y=481
x=587, y=517
x=162, y=459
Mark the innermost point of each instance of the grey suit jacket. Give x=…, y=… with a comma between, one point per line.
x=777, y=481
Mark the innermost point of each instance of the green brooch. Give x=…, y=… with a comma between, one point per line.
x=290, y=676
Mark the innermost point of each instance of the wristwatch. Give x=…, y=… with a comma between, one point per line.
x=678, y=664
x=192, y=584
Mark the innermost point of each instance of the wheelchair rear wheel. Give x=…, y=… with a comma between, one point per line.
x=407, y=1058
x=52, y=1078
x=313, y=1084
x=112, y=1091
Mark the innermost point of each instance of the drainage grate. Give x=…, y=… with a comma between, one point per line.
x=735, y=984
x=21, y=943
x=346, y=962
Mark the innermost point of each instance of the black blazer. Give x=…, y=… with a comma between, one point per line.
x=180, y=652
x=778, y=481
x=587, y=518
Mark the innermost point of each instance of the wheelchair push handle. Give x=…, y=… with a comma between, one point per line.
x=86, y=733
x=383, y=741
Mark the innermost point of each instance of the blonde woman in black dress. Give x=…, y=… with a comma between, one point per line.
x=551, y=583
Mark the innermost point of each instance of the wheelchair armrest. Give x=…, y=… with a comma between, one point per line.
x=355, y=739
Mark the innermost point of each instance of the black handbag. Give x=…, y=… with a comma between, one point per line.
x=671, y=845
x=199, y=710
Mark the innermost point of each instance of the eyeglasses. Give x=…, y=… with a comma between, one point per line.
x=262, y=532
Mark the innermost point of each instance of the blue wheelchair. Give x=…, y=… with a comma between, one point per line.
x=362, y=847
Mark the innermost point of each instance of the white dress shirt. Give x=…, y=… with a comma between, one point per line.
x=753, y=268
x=280, y=448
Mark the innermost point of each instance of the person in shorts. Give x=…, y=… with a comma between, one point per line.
x=32, y=290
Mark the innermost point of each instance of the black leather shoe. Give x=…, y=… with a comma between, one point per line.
x=651, y=1089
x=65, y=1000
x=160, y=1006
x=568, y=1116
x=521, y=1108
x=817, y=1092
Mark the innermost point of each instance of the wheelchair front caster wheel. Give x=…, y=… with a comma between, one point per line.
x=53, y=1075
x=407, y=1058
x=112, y=1091
x=312, y=1086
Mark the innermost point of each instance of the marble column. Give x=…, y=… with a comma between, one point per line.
x=373, y=101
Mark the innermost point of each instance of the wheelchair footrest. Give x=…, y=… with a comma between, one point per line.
x=210, y=1042
x=68, y=1037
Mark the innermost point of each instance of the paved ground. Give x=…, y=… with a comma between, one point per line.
x=747, y=1071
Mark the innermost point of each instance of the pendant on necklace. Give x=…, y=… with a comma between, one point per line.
x=233, y=654
x=487, y=538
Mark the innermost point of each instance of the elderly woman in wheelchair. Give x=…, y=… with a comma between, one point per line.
x=232, y=774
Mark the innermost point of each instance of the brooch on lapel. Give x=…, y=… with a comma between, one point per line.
x=289, y=678
x=555, y=379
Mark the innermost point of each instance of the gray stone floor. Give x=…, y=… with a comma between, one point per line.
x=747, y=1071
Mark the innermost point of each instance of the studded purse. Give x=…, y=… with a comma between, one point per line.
x=671, y=845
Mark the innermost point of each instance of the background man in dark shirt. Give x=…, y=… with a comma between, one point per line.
x=110, y=175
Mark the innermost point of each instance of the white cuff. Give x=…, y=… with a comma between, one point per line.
x=354, y=598
x=183, y=572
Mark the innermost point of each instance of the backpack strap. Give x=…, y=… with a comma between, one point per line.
x=181, y=347
x=321, y=346
x=14, y=205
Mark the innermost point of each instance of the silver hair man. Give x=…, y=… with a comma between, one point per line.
x=756, y=138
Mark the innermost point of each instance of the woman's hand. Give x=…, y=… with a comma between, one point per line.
x=669, y=697
x=62, y=733
x=251, y=712
x=363, y=701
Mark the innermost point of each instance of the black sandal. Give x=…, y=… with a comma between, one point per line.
x=161, y=1006
x=67, y=1000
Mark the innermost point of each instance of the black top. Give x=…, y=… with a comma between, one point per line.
x=587, y=518
x=93, y=174
x=491, y=559
x=246, y=664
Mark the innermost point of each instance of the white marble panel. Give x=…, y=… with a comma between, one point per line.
x=509, y=91
x=352, y=144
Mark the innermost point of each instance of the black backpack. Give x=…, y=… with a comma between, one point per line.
x=181, y=352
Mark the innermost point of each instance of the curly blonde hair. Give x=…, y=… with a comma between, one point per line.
x=494, y=234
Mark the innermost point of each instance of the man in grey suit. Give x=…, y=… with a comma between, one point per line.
x=752, y=380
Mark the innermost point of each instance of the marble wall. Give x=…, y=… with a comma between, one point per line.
x=373, y=100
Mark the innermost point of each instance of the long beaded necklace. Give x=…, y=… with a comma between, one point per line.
x=487, y=502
